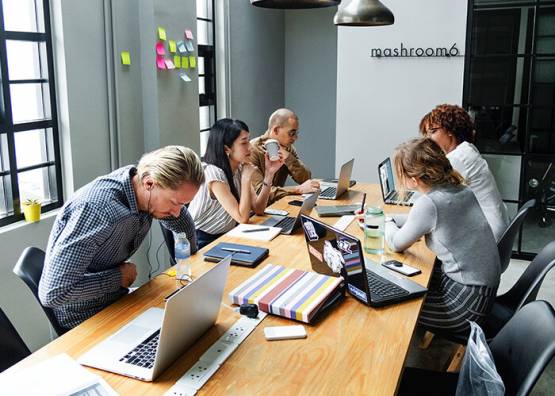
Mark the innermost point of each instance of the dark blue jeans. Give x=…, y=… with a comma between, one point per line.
x=204, y=238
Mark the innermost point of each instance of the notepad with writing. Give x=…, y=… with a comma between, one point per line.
x=254, y=231
x=289, y=292
x=246, y=255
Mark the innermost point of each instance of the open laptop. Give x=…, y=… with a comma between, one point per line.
x=289, y=224
x=336, y=253
x=334, y=192
x=387, y=182
x=148, y=344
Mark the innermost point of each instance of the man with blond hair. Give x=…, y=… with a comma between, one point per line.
x=103, y=224
x=283, y=126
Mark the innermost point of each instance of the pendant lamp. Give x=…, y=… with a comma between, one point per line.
x=294, y=4
x=363, y=13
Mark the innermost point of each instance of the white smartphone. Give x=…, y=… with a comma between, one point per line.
x=404, y=269
x=284, y=332
x=278, y=212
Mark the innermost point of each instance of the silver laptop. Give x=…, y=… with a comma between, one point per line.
x=148, y=344
x=334, y=192
x=387, y=183
x=289, y=224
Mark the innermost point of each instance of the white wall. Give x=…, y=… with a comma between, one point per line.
x=380, y=101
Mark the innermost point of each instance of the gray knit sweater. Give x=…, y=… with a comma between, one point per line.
x=455, y=229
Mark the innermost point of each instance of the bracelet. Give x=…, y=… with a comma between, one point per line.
x=265, y=184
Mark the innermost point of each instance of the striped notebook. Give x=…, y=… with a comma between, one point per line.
x=287, y=292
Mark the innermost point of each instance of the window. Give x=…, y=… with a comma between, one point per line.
x=29, y=146
x=206, y=68
x=510, y=89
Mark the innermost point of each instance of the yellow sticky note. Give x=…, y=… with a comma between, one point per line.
x=125, y=58
x=177, y=61
x=185, y=62
x=171, y=271
x=161, y=33
x=193, y=62
x=173, y=47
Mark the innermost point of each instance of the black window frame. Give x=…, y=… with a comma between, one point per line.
x=10, y=187
x=208, y=53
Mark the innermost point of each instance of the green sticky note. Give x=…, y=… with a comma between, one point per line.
x=161, y=33
x=177, y=61
x=173, y=47
x=185, y=62
x=193, y=62
x=125, y=58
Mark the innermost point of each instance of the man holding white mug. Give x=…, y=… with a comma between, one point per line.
x=283, y=128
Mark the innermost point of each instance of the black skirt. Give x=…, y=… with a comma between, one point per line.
x=449, y=305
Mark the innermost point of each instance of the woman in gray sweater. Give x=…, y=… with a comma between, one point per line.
x=466, y=273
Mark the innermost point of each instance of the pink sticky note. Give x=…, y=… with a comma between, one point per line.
x=188, y=34
x=160, y=50
x=160, y=64
x=169, y=64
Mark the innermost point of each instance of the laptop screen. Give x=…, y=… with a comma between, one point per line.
x=385, y=172
x=335, y=253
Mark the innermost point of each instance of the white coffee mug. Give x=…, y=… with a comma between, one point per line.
x=272, y=148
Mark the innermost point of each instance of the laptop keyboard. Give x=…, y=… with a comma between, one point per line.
x=143, y=354
x=380, y=288
x=329, y=192
x=286, y=222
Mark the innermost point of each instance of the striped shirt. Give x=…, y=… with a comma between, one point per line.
x=207, y=212
x=96, y=230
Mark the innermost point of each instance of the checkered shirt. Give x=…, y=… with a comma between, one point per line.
x=96, y=230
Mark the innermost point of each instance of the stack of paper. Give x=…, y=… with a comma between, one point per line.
x=57, y=376
x=265, y=234
x=286, y=292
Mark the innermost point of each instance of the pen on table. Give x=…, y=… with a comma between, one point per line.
x=256, y=229
x=236, y=250
x=363, y=202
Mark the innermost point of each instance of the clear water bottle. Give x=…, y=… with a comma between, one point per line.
x=183, y=269
x=374, y=230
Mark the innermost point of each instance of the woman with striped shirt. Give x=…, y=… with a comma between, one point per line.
x=466, y=272
x=227, y=195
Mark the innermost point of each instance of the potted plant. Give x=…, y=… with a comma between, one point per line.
x=31, y=210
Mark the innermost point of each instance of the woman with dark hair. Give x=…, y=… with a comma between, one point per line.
x=227, y=195
x=467, y=270
x=451, y=127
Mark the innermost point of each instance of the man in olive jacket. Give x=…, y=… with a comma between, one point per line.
x=283, y=126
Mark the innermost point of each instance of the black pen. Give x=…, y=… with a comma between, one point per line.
x=236, y=250
x=256, y=229
x=363, y=201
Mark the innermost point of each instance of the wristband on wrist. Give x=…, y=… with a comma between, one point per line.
x=266, y=184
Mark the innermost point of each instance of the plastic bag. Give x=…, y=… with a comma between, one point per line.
x=478, y=374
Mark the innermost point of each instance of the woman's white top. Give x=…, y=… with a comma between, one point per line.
x=207, y=212
x=466, y=159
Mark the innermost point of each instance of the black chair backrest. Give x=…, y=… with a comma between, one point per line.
x=528, y=285
x=170, y=244
x=29, y=269
x=524, y=347
x=12, y=347
x=507, y=240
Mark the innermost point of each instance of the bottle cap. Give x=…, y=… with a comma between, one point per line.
x=374, y=210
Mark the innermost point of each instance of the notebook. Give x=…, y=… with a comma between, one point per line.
x=289, y=292
x=265, y=234
x=389, y=192
x=249, y=256
x=337, y=253
x=340, y=210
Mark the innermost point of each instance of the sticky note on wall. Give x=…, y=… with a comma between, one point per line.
x=160, y=50
x=185, y=62
x=161, y=33
x=171, y=43
x=160, y=63
x=125, y=58
x=177, y=61
x=192, y=62
x=188, y=34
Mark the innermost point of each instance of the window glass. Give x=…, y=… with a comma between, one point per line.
x=30, y=102
x=23, y=15
x=30, y=148
x=26, y=60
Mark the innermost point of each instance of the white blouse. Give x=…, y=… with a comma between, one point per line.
x=466, y=159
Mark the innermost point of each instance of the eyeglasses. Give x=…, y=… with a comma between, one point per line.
x=293, y=133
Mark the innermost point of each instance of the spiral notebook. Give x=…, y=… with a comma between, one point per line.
x=289, y=292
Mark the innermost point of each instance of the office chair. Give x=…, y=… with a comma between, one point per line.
x=521, y=351
x=29, y=269
x=12, y=347
x=507, y=240
x=170, y=243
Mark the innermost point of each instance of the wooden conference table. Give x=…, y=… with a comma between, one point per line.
x=352, y=350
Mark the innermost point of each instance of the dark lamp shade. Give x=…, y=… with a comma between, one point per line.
x=363, y=13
